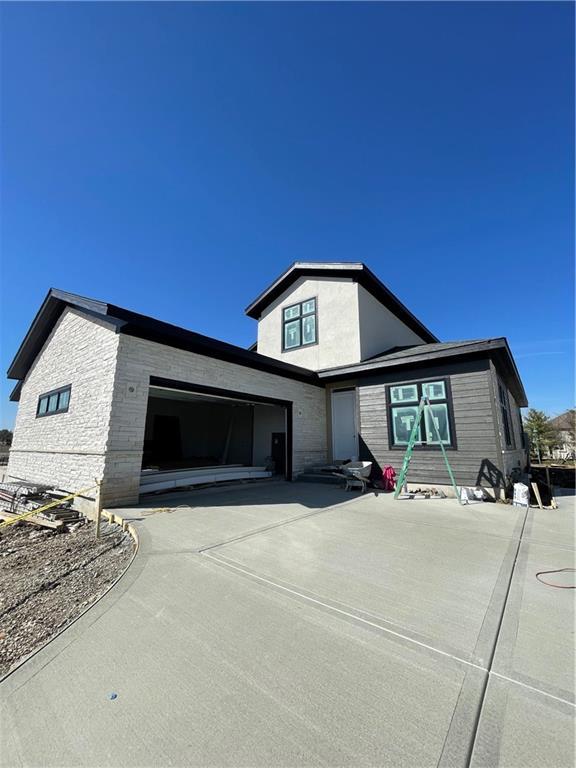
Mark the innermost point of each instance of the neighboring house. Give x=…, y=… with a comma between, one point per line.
x=339, y=368
x=565, y=426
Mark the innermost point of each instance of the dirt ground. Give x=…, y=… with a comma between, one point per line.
x=48, y=578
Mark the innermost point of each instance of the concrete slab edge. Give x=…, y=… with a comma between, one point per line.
x=134, y=533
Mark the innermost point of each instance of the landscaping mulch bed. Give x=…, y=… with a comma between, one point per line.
x=48, y=578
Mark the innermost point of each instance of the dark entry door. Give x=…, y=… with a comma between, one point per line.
x=278, y=452
x=167, y=438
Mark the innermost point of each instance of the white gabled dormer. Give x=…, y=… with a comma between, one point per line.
x=327, y=314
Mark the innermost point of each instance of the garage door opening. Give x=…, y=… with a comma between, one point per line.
x=196, y=435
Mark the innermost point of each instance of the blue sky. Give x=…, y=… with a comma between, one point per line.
x=175, y=158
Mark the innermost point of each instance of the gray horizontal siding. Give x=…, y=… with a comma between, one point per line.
x=476, y=433
x=514, y=457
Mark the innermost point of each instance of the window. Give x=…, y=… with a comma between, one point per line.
x=56, y=401
x=404, y=399
x=522, y=433
x=505, y=413
x=299, y=325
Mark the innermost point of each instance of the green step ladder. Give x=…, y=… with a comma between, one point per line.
x=424, y=403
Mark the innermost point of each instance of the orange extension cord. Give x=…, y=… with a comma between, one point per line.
x=549, y=583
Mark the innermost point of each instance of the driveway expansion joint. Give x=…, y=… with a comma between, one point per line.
x=208, y=665
x=377, y=623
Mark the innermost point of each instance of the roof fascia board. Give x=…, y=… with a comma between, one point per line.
x=421, y=357
x=496, y=349
x=114, y=323
x=516, y=374
x=132, y=323
x=34, y=328
x=375, y=286
x=143, y=327
x=274, y=290
x=42, y=324
x=15, y=394
x=354, y=270
x=73, y=299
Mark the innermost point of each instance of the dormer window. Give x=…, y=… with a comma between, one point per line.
x=299, y=325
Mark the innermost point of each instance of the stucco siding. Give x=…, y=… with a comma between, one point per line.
x=352, y=325
x=67, y=449
x=476, y=458
x=139, y=359
x=338, y=324
x=380, y=329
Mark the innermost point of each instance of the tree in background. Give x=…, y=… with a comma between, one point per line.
x=542, y=433
x=5, y=437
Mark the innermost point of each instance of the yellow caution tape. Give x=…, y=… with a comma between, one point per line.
x=45, y=507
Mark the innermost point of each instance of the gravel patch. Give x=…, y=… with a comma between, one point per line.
x=47, y=579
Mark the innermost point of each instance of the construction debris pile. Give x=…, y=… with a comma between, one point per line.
x=18, y=498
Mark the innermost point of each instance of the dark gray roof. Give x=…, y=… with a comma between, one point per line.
x=423, y=354
x=354, y=270
x=565, y=421
x=133, y=324
x=431, y=349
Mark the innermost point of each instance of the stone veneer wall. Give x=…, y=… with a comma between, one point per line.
x=102, y=434
x=138, y=359
x=67, y=449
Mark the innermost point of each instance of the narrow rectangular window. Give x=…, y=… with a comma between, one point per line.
x=292, y=334
x=63, y=399
x=299, y=325
x=309, y=329
x=522, y=433
x=435, y=427
x=505, y=413
x=56, y=401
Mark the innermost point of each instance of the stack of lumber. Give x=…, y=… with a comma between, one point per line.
x=17, y=498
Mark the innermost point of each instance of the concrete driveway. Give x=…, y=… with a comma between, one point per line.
x=297, y=625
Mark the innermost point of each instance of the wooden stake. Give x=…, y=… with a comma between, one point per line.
x=98, y=507
x=537, y=494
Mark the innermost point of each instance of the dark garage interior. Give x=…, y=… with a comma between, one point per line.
x=191, y=430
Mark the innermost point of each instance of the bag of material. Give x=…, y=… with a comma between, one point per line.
x=521, y=495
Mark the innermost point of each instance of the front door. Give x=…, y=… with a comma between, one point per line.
x=344, y=429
